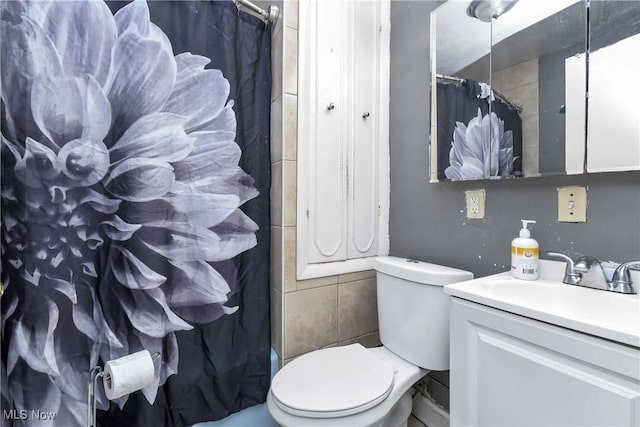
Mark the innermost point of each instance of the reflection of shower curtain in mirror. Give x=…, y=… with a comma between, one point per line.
x=464, y=124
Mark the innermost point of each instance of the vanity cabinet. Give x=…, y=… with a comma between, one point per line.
x=509, y=370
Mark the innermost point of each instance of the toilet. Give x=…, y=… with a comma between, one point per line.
x=356, y=386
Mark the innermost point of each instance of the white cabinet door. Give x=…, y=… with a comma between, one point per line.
x=508, y=370
x=363, y=156
x=343, y=166
x=327, y=204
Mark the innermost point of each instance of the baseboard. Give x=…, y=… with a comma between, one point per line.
x=429, y=412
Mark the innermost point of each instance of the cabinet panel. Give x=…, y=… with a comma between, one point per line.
x=343, y=158
x=507, y=370
x=328, y=204
x=525, y=384
x=614, y=110
x=363, y=171
x=613, y=125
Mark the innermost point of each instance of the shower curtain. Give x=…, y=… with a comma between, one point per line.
x=135, y=208
x=473, y=143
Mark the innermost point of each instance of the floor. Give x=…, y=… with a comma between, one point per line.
x=414, y=422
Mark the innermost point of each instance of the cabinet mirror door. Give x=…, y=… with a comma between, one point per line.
x=459, y=43
x=613, y=131
x=538, y=75
x=514, y=107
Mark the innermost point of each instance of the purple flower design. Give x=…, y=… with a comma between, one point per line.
x=481, y=149
x=120, y=198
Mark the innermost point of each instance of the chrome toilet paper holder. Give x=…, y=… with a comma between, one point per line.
x=95, y=373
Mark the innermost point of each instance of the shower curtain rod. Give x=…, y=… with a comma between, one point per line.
x=270, y=15
x=452, y=79
x=498, y=95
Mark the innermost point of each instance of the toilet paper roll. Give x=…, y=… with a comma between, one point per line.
x=128, y=374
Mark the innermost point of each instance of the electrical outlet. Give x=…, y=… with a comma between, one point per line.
x=475, y=204
x=572, y=204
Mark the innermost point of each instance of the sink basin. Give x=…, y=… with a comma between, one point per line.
x=608, y=315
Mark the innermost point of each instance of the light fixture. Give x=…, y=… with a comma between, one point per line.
x=485, y=10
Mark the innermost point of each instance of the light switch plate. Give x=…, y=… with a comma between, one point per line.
x=572, y=204
x=475, y=204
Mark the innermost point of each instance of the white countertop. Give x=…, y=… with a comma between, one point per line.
x=604, y=314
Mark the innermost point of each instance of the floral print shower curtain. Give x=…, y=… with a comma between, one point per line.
x=135, y=208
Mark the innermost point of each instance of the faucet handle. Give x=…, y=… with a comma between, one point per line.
x=621, y=281
x=565, y=257
x=585, y=263
x=571, y=275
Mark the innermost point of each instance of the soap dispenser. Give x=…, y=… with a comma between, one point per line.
x=525, y=254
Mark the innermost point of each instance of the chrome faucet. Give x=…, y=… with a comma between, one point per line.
x=571, y=276
x=588, y=271
x=621, y=280
x=592, y=273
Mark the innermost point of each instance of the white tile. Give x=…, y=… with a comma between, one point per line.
x=276, y=130
x=276, y=194
x=289, y=181
x=290, y=60
x=518, y=75
x=291, y=13
x=275, y=273
x=289, y=259
x=357, y=309
x=290, y=142
x=310, y=320
x=277, y=64
x=317, y=282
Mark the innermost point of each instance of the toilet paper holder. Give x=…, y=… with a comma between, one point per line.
x=96, y=373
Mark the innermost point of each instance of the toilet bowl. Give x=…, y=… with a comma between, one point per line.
x=355, y=386
x=367, y=405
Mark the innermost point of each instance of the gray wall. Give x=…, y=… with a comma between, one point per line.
x=428, y=222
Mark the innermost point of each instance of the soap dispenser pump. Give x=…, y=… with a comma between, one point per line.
x=525, y=254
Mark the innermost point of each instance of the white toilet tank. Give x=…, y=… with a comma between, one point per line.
x=413, y=310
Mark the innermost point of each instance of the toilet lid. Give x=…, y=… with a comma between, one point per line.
x=332, y=382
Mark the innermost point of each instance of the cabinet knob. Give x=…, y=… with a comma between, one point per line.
x=365, y=115
x=331, y=106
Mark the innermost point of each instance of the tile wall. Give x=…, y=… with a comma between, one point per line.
x=519, y=84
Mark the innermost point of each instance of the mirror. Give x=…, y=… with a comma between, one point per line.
x=458, y=41
x=613, y=134
x=518, y=109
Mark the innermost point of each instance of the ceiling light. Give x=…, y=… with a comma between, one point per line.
x=485, y=10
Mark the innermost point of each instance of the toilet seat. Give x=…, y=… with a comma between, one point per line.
x=333, y=382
